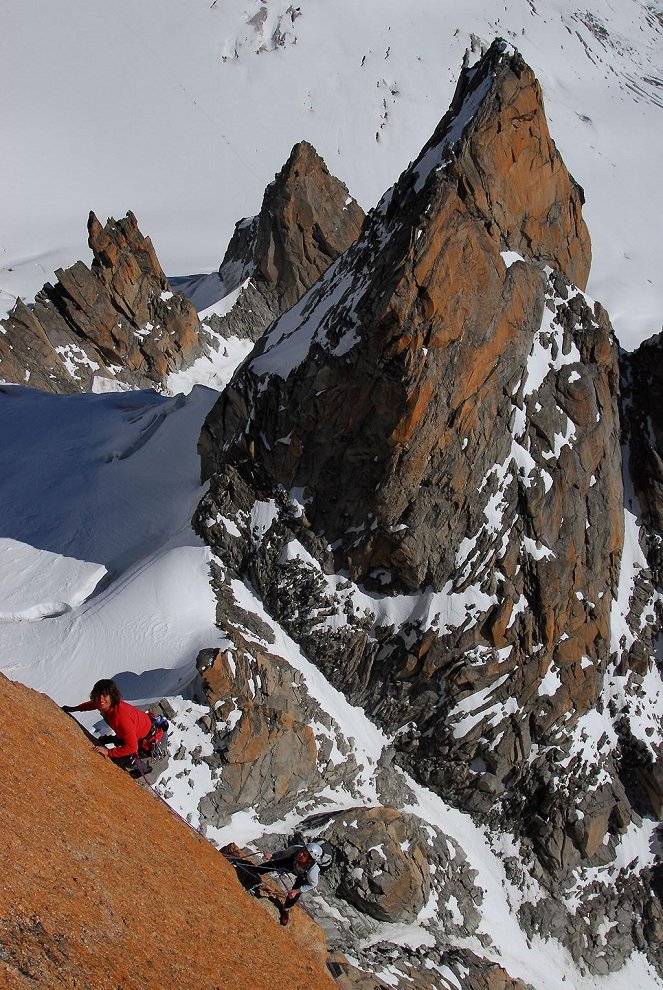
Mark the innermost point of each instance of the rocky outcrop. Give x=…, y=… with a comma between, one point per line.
x=269, y=753
x=412, y=319
x=264, y=747
x=382, y=863
x=421, y=969
x=306, y=221
x=117, y=320
x=419, y=470
x=438, y=418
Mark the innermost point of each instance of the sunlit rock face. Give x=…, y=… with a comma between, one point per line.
x=117, y=320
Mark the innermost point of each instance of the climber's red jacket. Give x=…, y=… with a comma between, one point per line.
x=127, y=722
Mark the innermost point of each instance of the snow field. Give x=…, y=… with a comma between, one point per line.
x=240, y=82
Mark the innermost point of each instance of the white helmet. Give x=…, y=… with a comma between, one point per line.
x=315, y=851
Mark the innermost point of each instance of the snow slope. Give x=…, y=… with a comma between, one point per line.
x=100, y=572
x=184, y=112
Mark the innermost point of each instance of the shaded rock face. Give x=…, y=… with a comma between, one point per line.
x=642, y=414
x=115, y=320
x=306, y=221
x=419, y=468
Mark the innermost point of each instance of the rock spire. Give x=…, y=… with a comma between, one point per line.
x=117, y=319
x=307, y=219
x=437, y=420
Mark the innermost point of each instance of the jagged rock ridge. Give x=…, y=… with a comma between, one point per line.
x=117, y=319
x=120, y=319
x=419, y=469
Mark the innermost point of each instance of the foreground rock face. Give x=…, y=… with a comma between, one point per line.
x=306, y=221
x=81, y=909
x=116, y=320
x=438, y=418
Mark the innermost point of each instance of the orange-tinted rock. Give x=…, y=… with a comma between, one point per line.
x=513, y=173
x=90, y=862
x=448, y=416
x=117, y=319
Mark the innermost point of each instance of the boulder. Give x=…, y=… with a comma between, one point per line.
x=382, y=862
x=268, y=752
x=268, y=757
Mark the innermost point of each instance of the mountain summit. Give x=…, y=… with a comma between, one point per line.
x=424, y=306
x=435, y=429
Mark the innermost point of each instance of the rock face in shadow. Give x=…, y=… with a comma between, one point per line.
x=419, y=469
x=642, y=413
x=116, y=320
x=306, y=221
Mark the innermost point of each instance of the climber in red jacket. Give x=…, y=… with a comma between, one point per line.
x=130, y=725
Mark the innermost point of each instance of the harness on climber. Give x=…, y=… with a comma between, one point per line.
x=155, y=743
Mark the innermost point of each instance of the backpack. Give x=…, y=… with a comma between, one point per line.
x=327, y=850
x=327, y=854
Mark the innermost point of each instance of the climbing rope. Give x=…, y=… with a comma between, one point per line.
x=236, y=862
